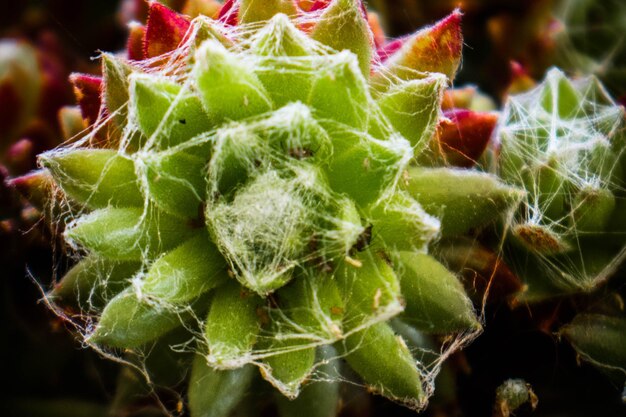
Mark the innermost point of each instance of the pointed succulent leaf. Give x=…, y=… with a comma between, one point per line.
x=186, y=272
x=252, y=11
x=369, y=287
x=288, y=369
x=71, y=122
x=343, y=25
x=592, y=209
x=339, y=92
x=87, y=89
x=315, y=304
x=280, y=37
x=435, y=299
x=166, y=112
x=115, y=75
x=462, y=199
x=215, y=393
x=129, y=321
x=398, y=221
x=385, y=363
x=127, y=233
x=95, y=177
x=165, y=30
x=93, y=281
x=228, y=87
x=363, y=167
x=599, y=339
x=318, y=398
x=412, y=107
x=288, y=80
x=177, y=181
x=433, y=49
x=232, y=326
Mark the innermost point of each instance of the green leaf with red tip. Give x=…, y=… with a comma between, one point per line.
x=398, y=221
x=412, y=107
x=127, y=233
x=166, y=113
x=215, y=393
x=363, y=167
x=385, y=363
x=252, y=11
x=92, y=282
x=186, y=272
x=461, y=199
x=462, y=140
x=165, y=30
x=339, y=92
x=177, y=181
x=435, y=299
x=88, y=90
x=232, y=326
x=433, y=49
x=95, y=177
x=343, y=25
x=228, y=87
x=129, y=322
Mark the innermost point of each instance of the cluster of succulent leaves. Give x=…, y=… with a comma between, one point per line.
x=264, y=196
x=252, y=198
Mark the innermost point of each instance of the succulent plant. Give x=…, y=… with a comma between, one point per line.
x=563, y=142
x=248, y=195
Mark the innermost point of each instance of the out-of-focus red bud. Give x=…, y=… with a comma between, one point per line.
x=377, y=30
x=87, y=89
x=521, y=81
x=458, y=98
x=165, y=30
x=21, y=156
x=34, y=186
x=462, y=138
x=134, y=44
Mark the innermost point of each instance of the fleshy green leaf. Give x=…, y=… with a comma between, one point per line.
x=93, y=281
x=215, y=393
x=127, y=233
x=412, y=107
x=398, y=221
x=339, y=92
x=461, y=199
x=228, y=87
x=186, y=272
x=251, y=11
x=166, y=113
x=363, y=167
x=177, y=181
x=280, y=37
x=385, y=363
x=435, y=299
x=129, y=322
x=232, y=326
x=343, y=25
x=95, y=177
